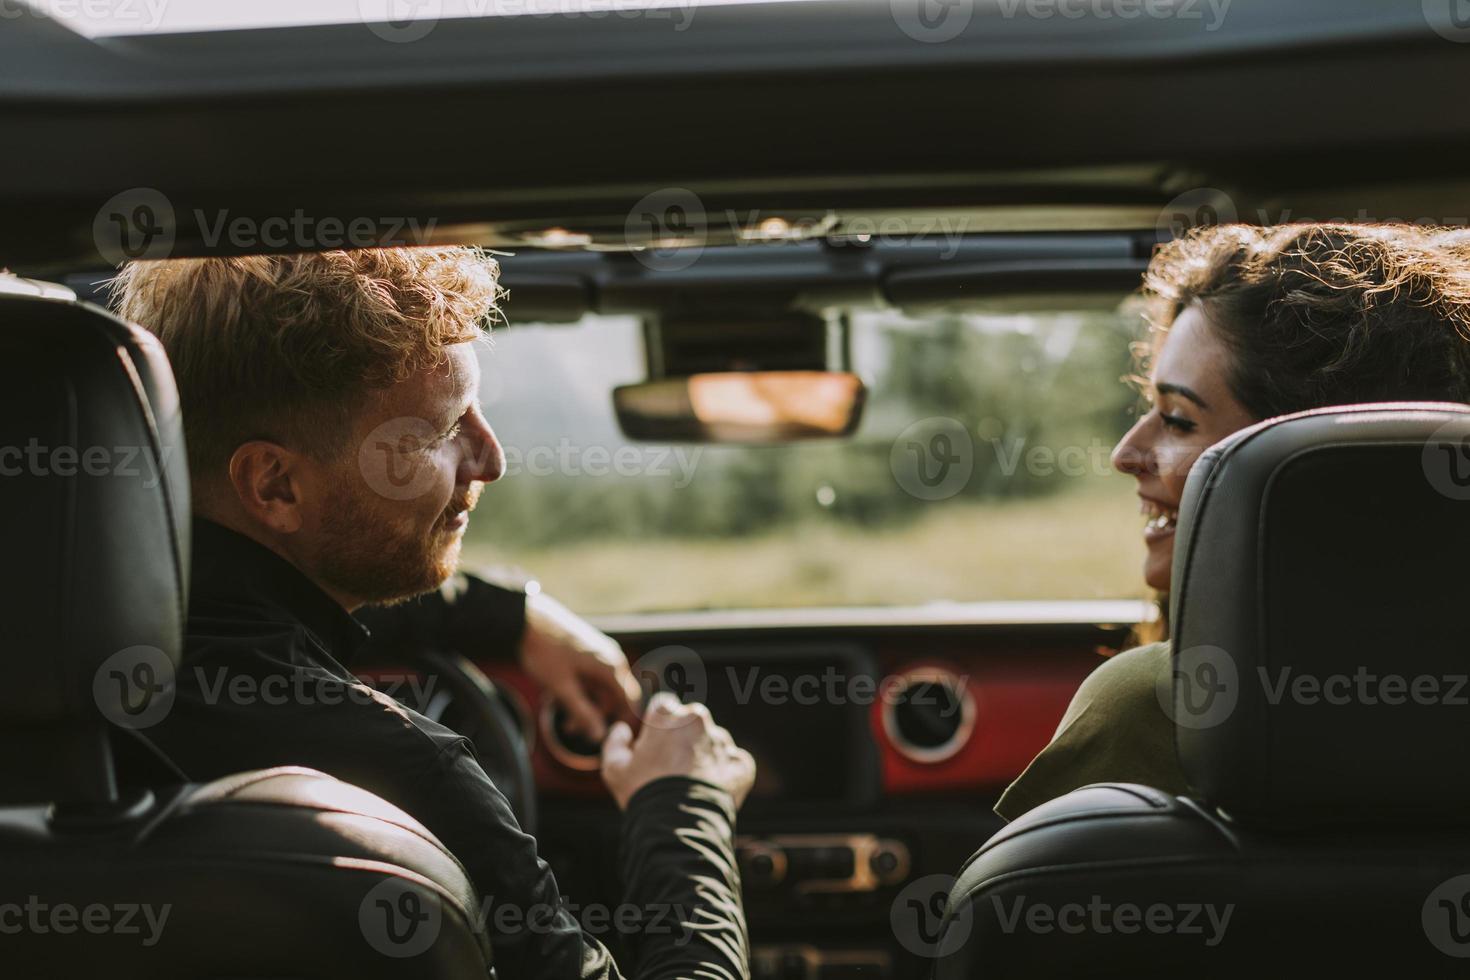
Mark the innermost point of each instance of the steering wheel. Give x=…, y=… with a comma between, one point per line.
x=465, y=701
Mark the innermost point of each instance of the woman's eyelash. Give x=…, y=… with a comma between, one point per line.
x=1177, y=423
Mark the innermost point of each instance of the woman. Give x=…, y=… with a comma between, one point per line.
x=1246, y=324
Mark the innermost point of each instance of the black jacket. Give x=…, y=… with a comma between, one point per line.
x=263, y=684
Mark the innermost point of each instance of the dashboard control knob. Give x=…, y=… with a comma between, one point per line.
x=889, y=861
x=762, y=865
x=883, y=863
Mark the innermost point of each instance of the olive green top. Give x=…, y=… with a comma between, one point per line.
x=1114, y=731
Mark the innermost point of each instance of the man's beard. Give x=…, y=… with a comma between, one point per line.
x=370, y=556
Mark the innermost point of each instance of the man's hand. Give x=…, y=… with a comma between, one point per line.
x=676, y=740
x=583, y=668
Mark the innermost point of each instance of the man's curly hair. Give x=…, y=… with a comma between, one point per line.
x=289, y=347
x=1323, y=314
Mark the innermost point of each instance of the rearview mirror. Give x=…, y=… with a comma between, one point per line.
x=742, y=407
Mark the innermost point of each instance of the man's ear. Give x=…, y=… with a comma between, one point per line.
x=267, y=481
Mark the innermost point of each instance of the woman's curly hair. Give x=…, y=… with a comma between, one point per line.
x=1323, y=314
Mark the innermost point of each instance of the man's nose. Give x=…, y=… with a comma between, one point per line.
x=484, y=458
x=1133, y=455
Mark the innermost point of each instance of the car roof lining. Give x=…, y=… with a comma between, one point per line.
x=491, y=127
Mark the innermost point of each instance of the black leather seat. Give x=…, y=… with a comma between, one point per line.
x=1322, y=719
x=109, y=866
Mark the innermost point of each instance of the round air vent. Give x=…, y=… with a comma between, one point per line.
x=572, y=751
x=929, y=714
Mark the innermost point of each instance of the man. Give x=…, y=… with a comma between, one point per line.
x=336, y=450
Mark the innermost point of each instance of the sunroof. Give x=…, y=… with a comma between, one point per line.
x=107, y=18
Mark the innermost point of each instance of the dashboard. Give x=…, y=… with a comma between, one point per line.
x=880, y=751
x=843, y=722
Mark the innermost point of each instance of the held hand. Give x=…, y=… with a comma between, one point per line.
x=583, y=668
x=676, y=740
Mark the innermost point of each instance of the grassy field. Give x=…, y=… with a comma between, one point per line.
x=1085, y=544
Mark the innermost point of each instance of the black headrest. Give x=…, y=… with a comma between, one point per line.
x=1319, y=616
x=94, y=489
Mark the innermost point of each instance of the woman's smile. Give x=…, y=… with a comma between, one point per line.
x=1161, y=520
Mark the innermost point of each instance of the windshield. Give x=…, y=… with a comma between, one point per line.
x=980, y=472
